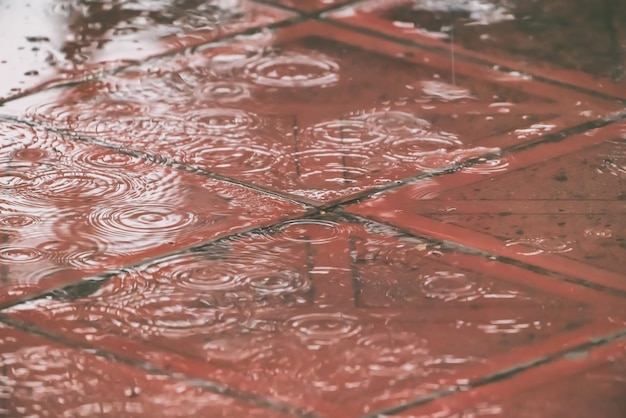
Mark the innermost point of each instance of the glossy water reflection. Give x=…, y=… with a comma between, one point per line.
x=405, y=207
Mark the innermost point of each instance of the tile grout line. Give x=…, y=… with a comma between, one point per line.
x=206, y=385
x=469, y=58
x=105, y=275
x=503, y=259
x=544, y=139
x=592, y=343
x=101, y=73
x=157, y=159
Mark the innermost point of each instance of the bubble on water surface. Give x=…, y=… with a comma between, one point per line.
x=293, y=70
x=614, y=161
x=316, y=329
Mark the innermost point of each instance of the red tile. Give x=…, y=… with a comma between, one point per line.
x=540, y=38
x=41, y=378
x=558, y=212
x=338, y=318
x=70, y=210
x=582, y=384
x=237, y=109
x=46, y=42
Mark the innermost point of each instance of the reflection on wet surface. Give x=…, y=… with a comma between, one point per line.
x=312, y=208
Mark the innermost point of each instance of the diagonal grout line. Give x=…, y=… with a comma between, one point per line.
x=161, y=160
x=469, y=58
x=504, y=374
x=104, y=276
x=206, y=385
x=545, y=139
x=503, y=259
x=100, y=73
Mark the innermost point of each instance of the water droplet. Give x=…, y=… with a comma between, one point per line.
x=317, y=329
x=601, y=233
x=293, y=70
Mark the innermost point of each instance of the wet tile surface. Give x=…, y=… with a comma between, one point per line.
x=236, y=110
x=311, y=209
x=49, y=41
x=569, y=206
x=351, y=330
x=542, y=37
x=42, y=378
x=70, y=210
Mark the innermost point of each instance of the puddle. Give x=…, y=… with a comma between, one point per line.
x=310, y=208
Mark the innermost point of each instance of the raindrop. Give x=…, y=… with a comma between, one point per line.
x=317, y=329
x=225, y=91
x=20, y=255
x=293, y=70
x=396, y=355
x=18, y=220
x=450, y=286
x=311, y=230
x=279, y=283
x=397, y=124
x=345, y=132
x=444, y=91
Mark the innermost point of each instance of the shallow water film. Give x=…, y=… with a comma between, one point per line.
x=313, y=208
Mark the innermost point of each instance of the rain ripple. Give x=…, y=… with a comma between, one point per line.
x=293, y=70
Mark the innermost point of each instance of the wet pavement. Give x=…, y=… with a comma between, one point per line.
x=300, y=208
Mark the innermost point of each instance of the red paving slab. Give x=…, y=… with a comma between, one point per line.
x=45, y=379
x=47, y=42
x=161, y=214
x=541, y=38
x=236, y=109
x=586, y=383
x=69, y=210
x=544, y=212
x=339, y=318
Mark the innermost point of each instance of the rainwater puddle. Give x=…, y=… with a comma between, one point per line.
x=324, y=308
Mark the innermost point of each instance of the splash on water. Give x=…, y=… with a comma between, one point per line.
x=293, y=70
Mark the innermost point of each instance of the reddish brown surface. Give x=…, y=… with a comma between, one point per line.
x=581, y=43
x=316, y=220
